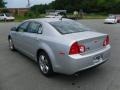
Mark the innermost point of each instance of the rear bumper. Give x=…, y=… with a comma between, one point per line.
x=10, y=19
x=75, y=63
x=111, y=22
x=7, y=19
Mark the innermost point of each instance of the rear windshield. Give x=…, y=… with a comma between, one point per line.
x=67, y=27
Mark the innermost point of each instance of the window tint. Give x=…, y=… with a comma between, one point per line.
x=66, y=27
x=33, y=27
x=23, y=27
x=1, y=14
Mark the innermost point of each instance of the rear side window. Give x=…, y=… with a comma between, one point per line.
x=33, y=27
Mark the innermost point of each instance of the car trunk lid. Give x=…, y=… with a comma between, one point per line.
x=92, y=41
x=93, y=44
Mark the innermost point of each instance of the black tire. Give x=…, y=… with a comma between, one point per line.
x=11, y=45
x=45, y=65
x=5, y=19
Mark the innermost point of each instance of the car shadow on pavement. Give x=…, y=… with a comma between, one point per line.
x=68, y=79
x=85, y=73
x=81, y=77
x=26, y=58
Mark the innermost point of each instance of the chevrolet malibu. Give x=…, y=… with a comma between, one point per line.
x=60, y=45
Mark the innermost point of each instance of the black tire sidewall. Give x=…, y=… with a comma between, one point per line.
x=12, y=44
x=50, y=72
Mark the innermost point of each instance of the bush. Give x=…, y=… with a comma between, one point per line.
x=29, y=15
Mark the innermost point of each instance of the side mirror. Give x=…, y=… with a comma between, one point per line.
x=13, y=29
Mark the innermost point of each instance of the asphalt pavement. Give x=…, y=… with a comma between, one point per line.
x=18, y=72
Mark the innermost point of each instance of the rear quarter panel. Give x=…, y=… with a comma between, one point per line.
x=53, y=43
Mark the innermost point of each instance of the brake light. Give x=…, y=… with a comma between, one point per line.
x=106, y=41
x=76, y=49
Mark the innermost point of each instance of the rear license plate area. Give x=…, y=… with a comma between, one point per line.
x=98, y=58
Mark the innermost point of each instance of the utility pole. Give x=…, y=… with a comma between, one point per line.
x=28, y=4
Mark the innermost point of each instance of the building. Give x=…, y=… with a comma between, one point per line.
x=15, y=11
x=56, y=11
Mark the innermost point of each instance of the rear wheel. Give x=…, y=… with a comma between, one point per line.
x=45, y=64
x=11, y=45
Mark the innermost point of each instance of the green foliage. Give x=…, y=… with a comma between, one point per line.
x=2, y=4
x=88, y=6
x=29, y=15
x=5, y=11
x=39, y=8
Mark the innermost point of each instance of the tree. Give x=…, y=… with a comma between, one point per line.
x=39, y=8
x=88, y=6
x=5, y=11
x=2, y=4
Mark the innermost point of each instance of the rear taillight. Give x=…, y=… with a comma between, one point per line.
x=77, y=49
x=106, y=41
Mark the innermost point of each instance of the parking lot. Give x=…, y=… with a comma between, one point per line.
x=17, y=72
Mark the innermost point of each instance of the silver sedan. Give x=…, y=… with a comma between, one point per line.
x=60, y=45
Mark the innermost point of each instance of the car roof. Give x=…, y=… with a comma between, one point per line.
x=48, y=19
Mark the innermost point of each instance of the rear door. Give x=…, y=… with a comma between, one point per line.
x=31, y=37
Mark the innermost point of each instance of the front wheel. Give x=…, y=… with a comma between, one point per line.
x=11, y=45
x=45, y=64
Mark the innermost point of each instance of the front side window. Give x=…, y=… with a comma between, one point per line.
x=23, y=27
x=33, y=27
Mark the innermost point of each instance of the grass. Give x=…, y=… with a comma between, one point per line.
x=21, y=18
x=86, y=16
x=94, y=16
